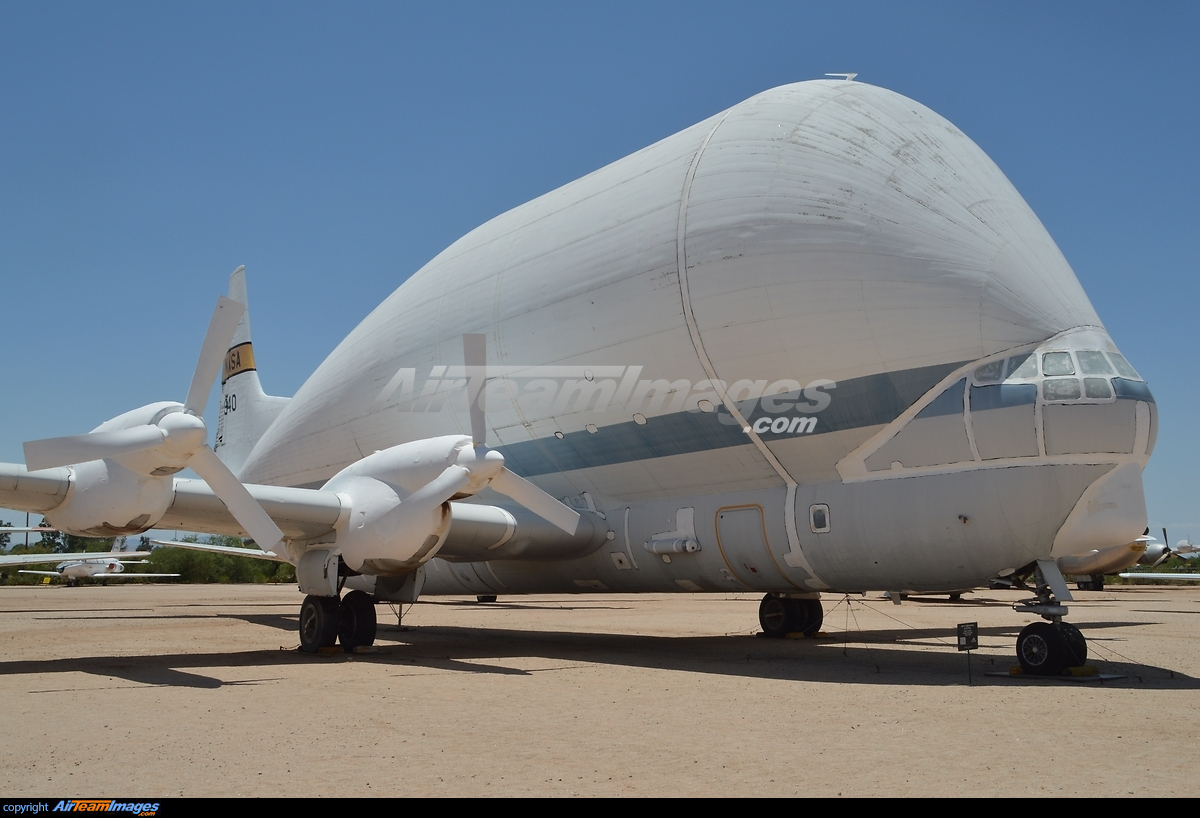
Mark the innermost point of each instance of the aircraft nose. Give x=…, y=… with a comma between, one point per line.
x=1095, y=402
x=1112, y=511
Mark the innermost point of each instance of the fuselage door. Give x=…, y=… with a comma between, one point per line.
x=742, y=539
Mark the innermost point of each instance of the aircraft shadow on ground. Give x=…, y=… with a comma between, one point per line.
x=159, y=670
x=279, y=621
x=888, y=657
x=892, y=657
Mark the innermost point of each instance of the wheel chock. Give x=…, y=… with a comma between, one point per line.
x=1085, y=670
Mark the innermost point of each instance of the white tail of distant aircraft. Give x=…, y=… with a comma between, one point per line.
x=815, y=343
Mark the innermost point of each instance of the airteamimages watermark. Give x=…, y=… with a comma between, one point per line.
x=144, y=808
x=783, y=406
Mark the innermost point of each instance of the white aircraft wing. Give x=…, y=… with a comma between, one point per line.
x=230, y=550
x=38, y=491
x=299, y=513
x=478, y=532
x=9, y=560
x=1139, y=575
x=41, y=573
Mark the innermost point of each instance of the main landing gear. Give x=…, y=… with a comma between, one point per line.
x=780, y=616
x=1048, y=648
x=326, y=621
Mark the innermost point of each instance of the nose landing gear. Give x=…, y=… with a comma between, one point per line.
x=1048, y=648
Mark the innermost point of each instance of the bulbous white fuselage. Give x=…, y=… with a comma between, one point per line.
x=797, y=335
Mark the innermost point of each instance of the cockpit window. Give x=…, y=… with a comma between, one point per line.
x=1022, y=366
x=990, y=372
x=1058, y=363
x=1098, y=388
x=1060, y=388
x=1093, y=363
x=1123, y=366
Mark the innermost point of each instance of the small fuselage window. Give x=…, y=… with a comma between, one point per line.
x=818, y=518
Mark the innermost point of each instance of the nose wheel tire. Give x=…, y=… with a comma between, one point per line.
x=356, y=621
x=318, y=623
x=1049, y=648
x=1076, y=644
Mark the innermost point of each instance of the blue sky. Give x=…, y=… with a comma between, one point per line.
x=148, y=149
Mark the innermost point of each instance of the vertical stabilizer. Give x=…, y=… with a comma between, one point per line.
x=246, y=412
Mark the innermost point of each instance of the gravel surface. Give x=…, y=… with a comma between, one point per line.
x=159, y=690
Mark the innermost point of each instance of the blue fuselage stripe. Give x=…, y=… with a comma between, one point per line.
x=873, y=400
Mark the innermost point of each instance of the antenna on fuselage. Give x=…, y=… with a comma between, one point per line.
x=846, y=77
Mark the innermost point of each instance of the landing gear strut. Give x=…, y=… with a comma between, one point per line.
x=1048, y=648
x=325, y=621
x=780, y=616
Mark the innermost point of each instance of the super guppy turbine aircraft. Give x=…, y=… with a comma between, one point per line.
x=814, y=343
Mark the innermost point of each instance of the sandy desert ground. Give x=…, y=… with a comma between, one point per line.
x=158, y=690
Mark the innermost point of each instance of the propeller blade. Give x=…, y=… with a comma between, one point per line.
x=240, y=502
x=536, y=500
x=64, y=451
x=475, y=357
x=417, y=508
x=212, y=353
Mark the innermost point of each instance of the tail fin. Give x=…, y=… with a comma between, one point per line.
x=246, y=412
x=121, y=544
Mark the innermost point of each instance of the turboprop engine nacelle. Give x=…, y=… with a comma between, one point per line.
x=108, y=500
x=128, y=493
x=381, y=484
x=399, y=500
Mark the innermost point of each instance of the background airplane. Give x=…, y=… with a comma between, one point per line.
x=1091, y=567
x=83, y=565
